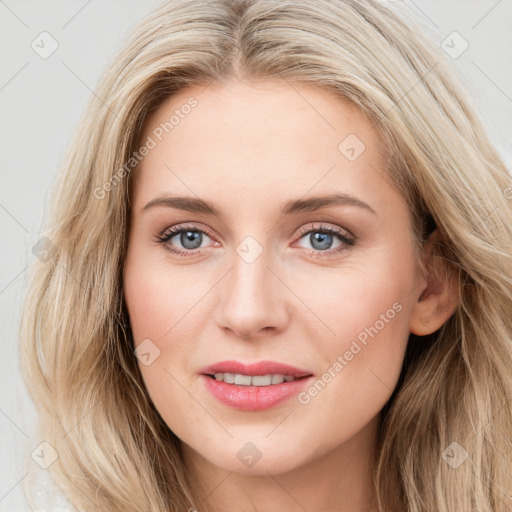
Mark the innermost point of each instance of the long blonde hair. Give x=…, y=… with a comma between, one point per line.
x=455, y=391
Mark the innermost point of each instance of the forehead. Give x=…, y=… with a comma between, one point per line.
x=259, y=137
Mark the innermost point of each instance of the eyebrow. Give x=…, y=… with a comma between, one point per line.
x=196, y=205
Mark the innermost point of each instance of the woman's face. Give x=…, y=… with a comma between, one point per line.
x=288, y=245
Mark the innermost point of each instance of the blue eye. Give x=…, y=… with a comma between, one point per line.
x=191, y=239
x=322, y=237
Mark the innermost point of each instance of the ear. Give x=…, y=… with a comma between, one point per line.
x=437, y=297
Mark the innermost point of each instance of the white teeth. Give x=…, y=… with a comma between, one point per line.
x=262, y=380
x=253, y=380
x=229, y=378
x=242, y=380
x=277, y=379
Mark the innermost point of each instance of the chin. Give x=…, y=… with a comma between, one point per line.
x=248, y=458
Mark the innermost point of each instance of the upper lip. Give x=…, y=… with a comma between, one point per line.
x=259, y=368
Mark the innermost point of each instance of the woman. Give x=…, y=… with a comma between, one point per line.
x=184, y=347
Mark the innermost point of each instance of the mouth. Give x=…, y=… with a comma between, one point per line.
x=256, y=386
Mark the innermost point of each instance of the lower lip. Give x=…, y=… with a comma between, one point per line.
x=254, y=398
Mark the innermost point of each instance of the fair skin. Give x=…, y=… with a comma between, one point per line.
x=248, y=149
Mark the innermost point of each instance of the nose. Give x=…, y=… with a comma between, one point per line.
x=252, y=299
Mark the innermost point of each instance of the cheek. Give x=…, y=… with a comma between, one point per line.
x=368, y=298
x=156, y=297
x=165, y=311
x=155, y=310
x=369, y=313
x=361, y=367
x=371, y=333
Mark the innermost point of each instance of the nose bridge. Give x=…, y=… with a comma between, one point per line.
x=251, y=299
x=250, y=272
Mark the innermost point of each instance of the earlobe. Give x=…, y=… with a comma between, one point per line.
x=439, y=297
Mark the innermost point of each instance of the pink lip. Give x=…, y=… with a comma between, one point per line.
x=260, y=368
x=254, y=398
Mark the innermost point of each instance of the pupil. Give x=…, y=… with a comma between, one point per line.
x=323, y=238
x=191, y=239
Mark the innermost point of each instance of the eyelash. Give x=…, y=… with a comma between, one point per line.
x=169, y=233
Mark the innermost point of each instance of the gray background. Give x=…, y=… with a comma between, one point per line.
x=41, y=100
